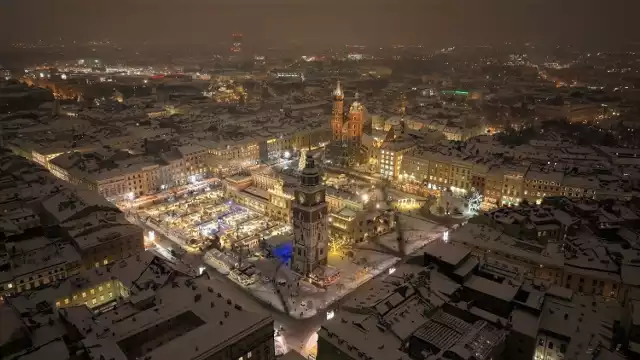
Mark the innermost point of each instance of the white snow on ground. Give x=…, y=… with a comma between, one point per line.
x=305, y=300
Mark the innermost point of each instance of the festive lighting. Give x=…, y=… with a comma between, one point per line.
x=330, y=314
x=336, y=245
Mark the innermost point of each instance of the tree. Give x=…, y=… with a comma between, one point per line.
x=474, y=201
x=337, y=244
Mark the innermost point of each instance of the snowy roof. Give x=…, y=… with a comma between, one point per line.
x=56, y=349
x=505, y=290
x=386, y=311
x=585, y=322
x=108, y=233
x=447, y=252
x=195, y=311
x=73, y=202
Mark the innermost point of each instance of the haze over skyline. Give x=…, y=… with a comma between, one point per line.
x=330, y=22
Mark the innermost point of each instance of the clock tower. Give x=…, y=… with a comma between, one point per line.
x=309, y=221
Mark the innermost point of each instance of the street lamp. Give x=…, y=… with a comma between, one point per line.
x=330, y=314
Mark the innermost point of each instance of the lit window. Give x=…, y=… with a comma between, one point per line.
x=101, y=297
x=92, y=291
x=66, y=301
x=84, y=294
x=249, y=355
x=108, y=285
x=97, y=264
x=75, y=297
x=9, y=285
x=57, y=303
x=100, y=288
x=94, y=301
x=110, y=295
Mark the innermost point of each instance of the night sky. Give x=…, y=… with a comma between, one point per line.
x=329, y=22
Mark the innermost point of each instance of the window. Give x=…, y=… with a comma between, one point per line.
x=108, y=285
x=84, y=294
x=92, y=291
x=100, y=288
x=249, y=355
x=66, y=301
x=563, y=348
x=110, y=295
x=94, y=301
x=550, y=345
x=101, y=297
x=57, y=303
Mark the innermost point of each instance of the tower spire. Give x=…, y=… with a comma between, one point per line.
x=338, y=91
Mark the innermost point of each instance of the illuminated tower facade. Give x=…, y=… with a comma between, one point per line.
x=236, y=43
x=337, y=115
x=309, y=221
x=403, y=105
x=356, y=121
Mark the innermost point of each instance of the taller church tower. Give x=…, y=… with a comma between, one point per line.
x=337, y=115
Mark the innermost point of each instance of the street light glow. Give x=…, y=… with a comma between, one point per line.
x=330, y=314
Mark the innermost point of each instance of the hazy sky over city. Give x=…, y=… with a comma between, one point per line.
x=314, y=22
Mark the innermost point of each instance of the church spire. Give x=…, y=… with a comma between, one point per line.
x=338, y=91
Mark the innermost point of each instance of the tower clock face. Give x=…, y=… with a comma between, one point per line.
x=301, y=198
